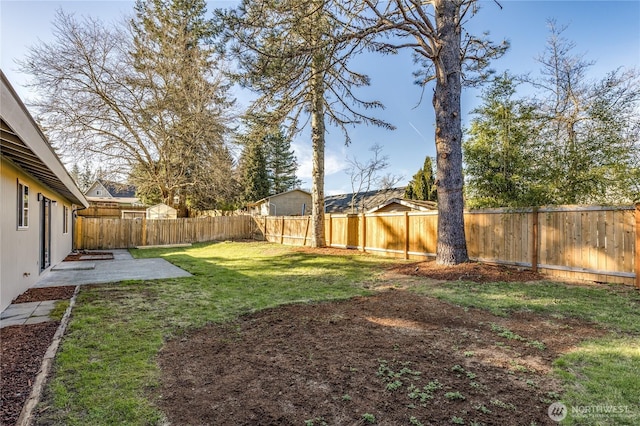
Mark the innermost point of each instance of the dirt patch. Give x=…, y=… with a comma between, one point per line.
x=393, y=357
x=23, y=347
x=45, y=293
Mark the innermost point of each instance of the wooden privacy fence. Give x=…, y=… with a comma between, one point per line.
x=107, y=233
x=590, y=243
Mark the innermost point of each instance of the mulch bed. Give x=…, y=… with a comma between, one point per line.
x=45, y=293
x=332, y=363
x=23, y=347
x=88, y=255
x=470, y=271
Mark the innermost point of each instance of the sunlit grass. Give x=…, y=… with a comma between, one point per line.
x=615, y=310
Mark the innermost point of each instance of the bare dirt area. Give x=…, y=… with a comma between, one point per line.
x=391, y=359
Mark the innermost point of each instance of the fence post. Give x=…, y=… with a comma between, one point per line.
x=534, y=240
x=282, y=231
x=144, y=231
x=78, y=242
x=363, y=231
x=330, y=231
x=406, y=235
x=638, y=245
x=306, y=231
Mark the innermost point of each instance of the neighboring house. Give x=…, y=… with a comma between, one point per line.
x=161, y=211
x=113, y=199
x=342, y=203
x=37, y=196
x=291, y=203
x=402, y=205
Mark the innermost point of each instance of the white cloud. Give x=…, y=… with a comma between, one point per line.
x=334, y=162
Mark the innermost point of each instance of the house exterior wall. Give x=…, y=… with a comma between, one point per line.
x=20, y=248
x=289, y=204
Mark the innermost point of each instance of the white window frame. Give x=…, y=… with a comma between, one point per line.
x=65, y=219
x=22, y=210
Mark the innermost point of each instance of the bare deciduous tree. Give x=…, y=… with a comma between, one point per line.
x=146, y=99
x=364, y=175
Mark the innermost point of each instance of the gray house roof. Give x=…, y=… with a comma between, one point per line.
x=342, y=203
x=119, y=190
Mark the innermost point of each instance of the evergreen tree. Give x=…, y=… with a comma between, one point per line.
x=503, y=166
x=255, y=179
x=150, y=96
x=173, y=57
x=436, y=32
x=281, y=163
x=423, y=184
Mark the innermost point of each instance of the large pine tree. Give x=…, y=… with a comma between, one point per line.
x=296, y=56
x=187, y=108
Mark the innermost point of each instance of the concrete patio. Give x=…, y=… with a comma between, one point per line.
x=122, y=267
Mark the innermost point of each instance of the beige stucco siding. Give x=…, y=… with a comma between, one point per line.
x=20, y=248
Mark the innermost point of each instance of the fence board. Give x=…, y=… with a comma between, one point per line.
x=595, y=243
x=108, y=233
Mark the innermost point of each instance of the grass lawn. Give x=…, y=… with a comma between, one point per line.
x=106, y=373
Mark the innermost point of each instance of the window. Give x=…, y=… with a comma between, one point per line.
x=65, y=220
x=98, y=192
x=23, y=206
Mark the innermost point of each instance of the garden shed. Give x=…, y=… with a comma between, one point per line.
x=291, y=203
x=162, y=211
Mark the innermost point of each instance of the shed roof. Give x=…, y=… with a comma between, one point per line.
x=419, y=205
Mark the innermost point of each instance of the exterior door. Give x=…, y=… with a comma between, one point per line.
x=45, y=234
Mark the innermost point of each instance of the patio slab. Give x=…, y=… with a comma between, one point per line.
x=123, y=267
x=26, y=313
x=79, y=265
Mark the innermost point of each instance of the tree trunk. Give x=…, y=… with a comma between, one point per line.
x=452, y=245
x=317, y=144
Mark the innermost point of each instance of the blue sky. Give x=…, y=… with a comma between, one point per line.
x=607, y=32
